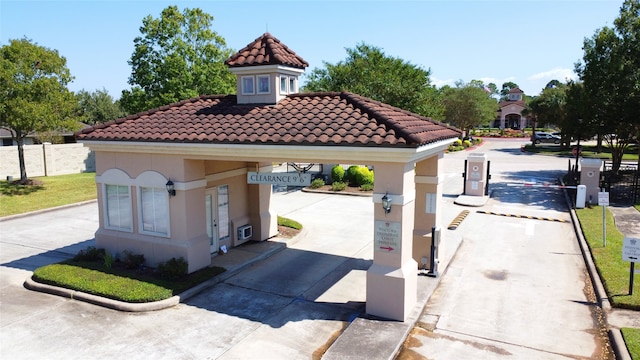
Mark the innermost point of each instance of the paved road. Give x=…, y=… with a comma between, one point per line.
x=517, y=288
x=295, y=303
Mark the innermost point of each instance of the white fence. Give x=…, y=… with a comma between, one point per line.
x=47, y=160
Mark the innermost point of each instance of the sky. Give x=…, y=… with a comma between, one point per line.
x=528, y=42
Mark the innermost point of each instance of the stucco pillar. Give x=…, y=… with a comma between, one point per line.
x=393, y=277
x=266, y=221
x=427, y=208
x=590, y=177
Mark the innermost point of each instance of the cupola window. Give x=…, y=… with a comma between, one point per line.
x=263, y=84
x=248, y=87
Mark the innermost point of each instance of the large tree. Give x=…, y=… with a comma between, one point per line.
x=610, y=72
x=367, y=71
x=33, y=93
x=98, y=106
x=468, y=105
x=177, y=57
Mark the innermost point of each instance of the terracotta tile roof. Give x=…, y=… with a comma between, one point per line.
x=266, y=50
x=330, y=118
x=504, y=103
x=515, y=90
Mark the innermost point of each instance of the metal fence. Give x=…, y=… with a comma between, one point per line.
x=623, y=186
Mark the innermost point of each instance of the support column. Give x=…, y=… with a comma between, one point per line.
x=427, y=209
x=392, y=279
x=266, y=222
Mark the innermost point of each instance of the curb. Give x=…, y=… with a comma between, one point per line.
x=102, y=301
x=618, y=345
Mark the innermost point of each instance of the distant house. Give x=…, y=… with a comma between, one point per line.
x=510, y=111
x=32, y=139
x=183, y=180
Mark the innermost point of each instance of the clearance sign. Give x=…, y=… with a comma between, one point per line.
x=283, y=179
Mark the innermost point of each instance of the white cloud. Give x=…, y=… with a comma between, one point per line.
x=440, y=83
x=560, y=74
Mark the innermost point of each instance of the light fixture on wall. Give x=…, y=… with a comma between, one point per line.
x=171, y=189
x=386, y=203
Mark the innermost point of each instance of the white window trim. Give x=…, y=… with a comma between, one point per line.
x=293, y=85
x=167, y=219
x=155, y=180
x=105, y=206
x=115, y=177
x=284, y=80
x=244, y=90
x=258, y=78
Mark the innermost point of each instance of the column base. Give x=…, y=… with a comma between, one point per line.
x=392, y=292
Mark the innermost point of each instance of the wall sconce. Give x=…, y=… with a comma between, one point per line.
x=386, y=203
x=171, y=189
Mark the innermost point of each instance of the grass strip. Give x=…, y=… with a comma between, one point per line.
x=613, y=271
x=283, y=221
x=127, y=285
x=631, y=337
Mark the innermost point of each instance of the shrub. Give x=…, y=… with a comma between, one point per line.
x=453, y=148
x=466, y=143
x=338, y=186
x=364, y=176
x=366, y=187
x=131, y=260
x=91, y=253
x=108, y=260
x=350, y=176
x=458, y=142
x=337, y=173
x=173, y=268
x=317, y=183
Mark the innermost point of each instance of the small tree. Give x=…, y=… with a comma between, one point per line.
x=33, y=93
x=467, y=106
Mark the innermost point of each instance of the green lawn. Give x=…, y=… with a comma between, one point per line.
x=632, y=339
x=608, y=259
x=53, y=191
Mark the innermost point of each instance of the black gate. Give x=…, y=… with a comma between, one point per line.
x=623, y=186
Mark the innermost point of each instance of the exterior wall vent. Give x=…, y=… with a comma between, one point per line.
x=245, y=232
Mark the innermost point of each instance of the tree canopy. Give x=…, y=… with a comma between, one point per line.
x=610, y=72
x=367, y=71
x=33, y=93
x=468, y=105
x=177, y=57
x=98, y=106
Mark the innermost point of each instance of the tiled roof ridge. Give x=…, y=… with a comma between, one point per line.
x=149, y=112
x=276, y=53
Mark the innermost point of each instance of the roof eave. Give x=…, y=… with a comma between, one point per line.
x=263, y=152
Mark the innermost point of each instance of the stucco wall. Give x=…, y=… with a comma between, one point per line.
x=47, y=160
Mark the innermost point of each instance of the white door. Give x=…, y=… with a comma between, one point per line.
x=212, y=219
x=217, y=212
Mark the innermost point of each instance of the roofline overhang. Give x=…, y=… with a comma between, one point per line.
x=265, y=69
x=275, y=153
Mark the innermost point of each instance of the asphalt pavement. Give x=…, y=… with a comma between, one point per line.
x=502, y=280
